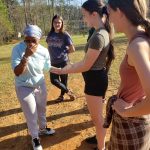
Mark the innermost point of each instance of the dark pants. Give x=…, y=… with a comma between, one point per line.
x=60, y=81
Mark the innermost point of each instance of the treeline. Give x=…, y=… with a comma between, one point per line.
x=16, y=14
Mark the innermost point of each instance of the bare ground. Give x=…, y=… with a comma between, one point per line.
x=70, y=119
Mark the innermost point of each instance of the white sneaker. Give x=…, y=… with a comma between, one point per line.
x=46, y=131
x=36, y=144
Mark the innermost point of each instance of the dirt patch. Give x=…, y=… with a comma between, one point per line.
x=70, y=119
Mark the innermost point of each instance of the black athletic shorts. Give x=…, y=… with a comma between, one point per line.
x=96, y=82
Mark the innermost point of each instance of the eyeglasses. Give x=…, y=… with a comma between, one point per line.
x=30, y=41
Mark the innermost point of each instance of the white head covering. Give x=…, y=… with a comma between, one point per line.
x=33, y=31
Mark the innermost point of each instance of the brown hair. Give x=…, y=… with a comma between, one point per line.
x=135, y=11
x=52, y=27
x=99, y=7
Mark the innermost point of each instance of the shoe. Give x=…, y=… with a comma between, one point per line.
x=59, y=99
x=46, y=131
x=71, y=95
x=91, y=140
x=36, y=144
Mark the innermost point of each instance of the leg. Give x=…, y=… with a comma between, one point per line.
x=56, y=81
x=41, y=98
x=95, y=106
x=28, y=104
x=64, y=79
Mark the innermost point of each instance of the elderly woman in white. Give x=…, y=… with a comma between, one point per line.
x=29, y=59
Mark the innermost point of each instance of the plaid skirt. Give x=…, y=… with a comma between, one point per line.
x=131, y=133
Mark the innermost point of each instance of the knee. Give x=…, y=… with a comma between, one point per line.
x=98, y=120
x=54, y=81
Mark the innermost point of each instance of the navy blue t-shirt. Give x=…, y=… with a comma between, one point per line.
x=57, y=46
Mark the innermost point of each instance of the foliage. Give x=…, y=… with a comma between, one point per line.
x=6, y=29
x=16, y=14
x=40, y=12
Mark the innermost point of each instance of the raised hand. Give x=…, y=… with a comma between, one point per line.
x=30, y=50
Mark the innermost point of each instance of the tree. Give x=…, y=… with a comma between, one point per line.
x=6, y=28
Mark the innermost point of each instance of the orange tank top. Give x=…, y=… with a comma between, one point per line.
x=130, y=89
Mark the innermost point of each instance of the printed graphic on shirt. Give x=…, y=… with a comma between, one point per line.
x=58, y=47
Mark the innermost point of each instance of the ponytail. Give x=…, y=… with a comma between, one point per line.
x=146, y=26
x=109, y=28
x=99, y=7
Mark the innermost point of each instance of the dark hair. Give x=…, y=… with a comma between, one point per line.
x=99, y=7
x=91, y=31
x=52, y=27
x=134, y=10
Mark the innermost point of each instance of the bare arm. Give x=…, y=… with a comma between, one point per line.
x=139, y=57
x=21, y=67
x=71, y=48
x=81, y=66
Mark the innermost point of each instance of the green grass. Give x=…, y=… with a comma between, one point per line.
x=7, y=76
x=13, y=121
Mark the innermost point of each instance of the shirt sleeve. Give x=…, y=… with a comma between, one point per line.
x=68, y=40
x=15, y=57
x=97, y=42
x=47, y=64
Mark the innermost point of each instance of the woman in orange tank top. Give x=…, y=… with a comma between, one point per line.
x=131, y=119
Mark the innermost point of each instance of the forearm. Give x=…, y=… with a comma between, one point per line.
x=21, y=67
x=75, y=68
x=71, y=49
x=141, y=108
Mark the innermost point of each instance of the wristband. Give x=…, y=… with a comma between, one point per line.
x=24, y=57
x=24, y=61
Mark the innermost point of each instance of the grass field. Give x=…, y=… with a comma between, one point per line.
x=62, y=116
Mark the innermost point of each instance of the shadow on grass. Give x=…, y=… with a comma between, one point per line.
x=62, y=134
x=7, y=130
x=79, y=111
x=17, y=143
x=19, y=110
x=5, y=60
x=10, y=112
x=66, y=133
x=85, y=146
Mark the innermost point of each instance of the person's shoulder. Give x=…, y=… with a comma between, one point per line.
x=43, y=50
x=50, y=34
x=140, y=40
x=97, y=35
x=102, y=32
x=66, y=34
x=19, y=45
x=139, y=44
x=42, y=47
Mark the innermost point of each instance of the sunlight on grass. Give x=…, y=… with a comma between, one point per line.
x=7, y=76
x=8, y=98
